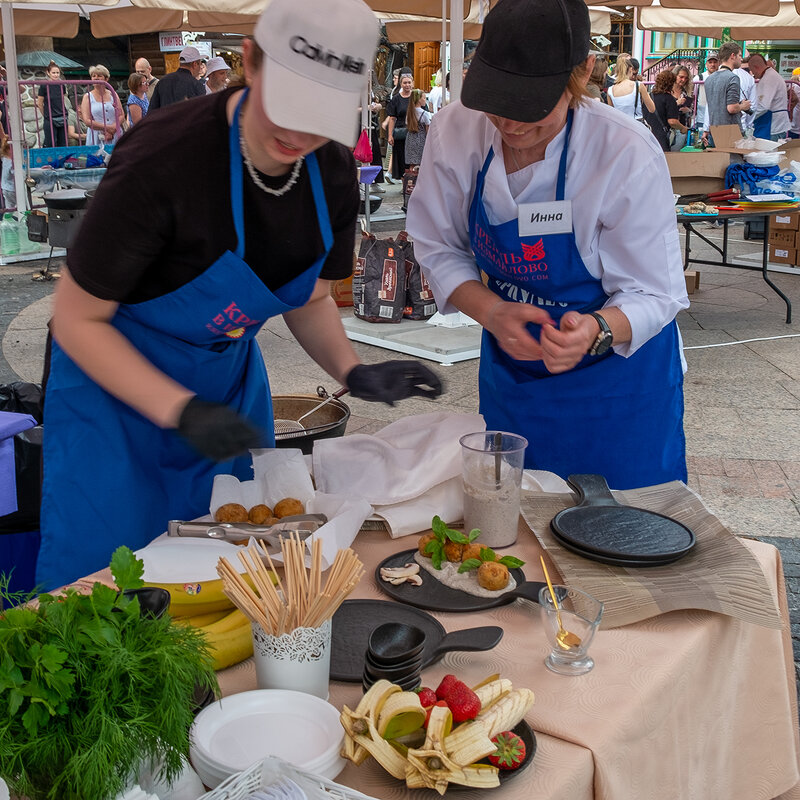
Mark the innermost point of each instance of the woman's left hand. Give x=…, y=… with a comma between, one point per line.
x=563, y=347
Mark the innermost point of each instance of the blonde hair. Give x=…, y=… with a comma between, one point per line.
x=412, y=123
x=99, y=69
x=576, y=85
x=621, y=68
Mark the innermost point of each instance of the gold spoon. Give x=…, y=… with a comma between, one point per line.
x=565, y=639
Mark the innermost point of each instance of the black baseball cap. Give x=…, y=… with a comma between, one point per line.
x=525, y=56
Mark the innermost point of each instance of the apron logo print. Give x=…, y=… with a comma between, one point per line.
x=533, y=252
x=231, y=322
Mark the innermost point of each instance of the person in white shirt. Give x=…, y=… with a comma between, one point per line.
x=771, y=119
x=748, y=86
x=437, y=96
x=565, y=207
x=712, y=64
x=794, y=104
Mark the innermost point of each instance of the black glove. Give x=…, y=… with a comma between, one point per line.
x=392, y=380
x=217, y=431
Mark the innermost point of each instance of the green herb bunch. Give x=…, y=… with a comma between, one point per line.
x=442, y=534
x=90, y=688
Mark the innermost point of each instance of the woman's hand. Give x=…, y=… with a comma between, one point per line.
x=110, y=130
x=564, y=347
x=508, y=322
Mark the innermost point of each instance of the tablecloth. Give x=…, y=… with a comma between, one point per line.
x=689, y=705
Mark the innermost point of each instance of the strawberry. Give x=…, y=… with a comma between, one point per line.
x=463, y=702
x=443, y=689
x=427, y=697
x=441, y=703
x=510, y=751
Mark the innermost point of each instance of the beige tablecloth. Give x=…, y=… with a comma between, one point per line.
x=689, y=704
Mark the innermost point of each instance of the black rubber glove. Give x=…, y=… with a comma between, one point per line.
x=217, y=431
x=393, y=380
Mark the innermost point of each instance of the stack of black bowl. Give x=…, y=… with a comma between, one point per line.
x=394, y=653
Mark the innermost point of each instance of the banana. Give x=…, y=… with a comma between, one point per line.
x=402, y=713
x=201, y=620
x=230, y=639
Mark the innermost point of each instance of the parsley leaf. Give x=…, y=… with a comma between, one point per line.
x=126, y=569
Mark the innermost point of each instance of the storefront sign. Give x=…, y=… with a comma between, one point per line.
x=788, y=62
x=170, y=41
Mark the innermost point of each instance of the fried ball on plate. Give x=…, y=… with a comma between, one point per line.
x=453, y=550
x=423, y=543
x=472, y=550
x=260, y=514
x=231, y=512
x=288, y=507
x=493, y=575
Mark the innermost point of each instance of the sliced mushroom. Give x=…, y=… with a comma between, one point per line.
x=398, y=575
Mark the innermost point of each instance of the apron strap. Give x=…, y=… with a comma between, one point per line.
x=237, y=178
x=320, y=202
x=562, y=166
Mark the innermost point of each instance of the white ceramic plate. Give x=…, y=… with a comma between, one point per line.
x=189, y=560
x=240, y=729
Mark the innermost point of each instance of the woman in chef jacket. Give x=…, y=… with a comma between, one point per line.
x=565, y=207
x=156, y=381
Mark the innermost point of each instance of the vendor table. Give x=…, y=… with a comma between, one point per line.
x=690, y=220
x=689, y=704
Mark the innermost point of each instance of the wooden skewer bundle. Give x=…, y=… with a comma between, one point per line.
x=298, y=601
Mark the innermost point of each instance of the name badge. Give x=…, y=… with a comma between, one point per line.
x=537, y=219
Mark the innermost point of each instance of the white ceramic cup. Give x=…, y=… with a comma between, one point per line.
x=299, y=660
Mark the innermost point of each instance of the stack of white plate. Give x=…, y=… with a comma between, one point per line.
x=236, y=731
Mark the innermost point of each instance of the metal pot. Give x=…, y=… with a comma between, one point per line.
x=66, y=199
x=66, y=209
x=328, y=422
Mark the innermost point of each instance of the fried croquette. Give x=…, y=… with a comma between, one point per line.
x=288, y=507
x=259, y=514
x=453, y=550
x=231, y=512
x=472, y=550
x=423, y=543
x=493, y=575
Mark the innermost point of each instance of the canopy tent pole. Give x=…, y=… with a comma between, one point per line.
x=456, y=49
x=13, y=105
x=443, y=55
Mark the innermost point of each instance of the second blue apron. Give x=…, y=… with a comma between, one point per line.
x=620, y=417
x=112, y=477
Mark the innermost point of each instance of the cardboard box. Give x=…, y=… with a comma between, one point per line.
x=725, y=135
x=697, y=173
x=783, y=237
x=780, y=255
x=692, y=278
x=784, y=222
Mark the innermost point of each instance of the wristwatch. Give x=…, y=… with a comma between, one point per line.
x=604, y=338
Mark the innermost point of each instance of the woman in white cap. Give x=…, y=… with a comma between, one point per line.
x=565, y=206
x=156, y=381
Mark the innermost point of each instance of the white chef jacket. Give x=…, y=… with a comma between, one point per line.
x=771, y=96
x=748, y=92
x=623, y=209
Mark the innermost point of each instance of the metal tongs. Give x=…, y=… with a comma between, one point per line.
x=301, y=524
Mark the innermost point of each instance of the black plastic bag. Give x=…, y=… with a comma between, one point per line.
x=23, y=398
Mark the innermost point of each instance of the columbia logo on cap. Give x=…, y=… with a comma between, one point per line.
x=328, y=58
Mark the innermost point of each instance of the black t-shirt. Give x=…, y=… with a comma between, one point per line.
x=54, y=103
x=666, y=109
x=162, y=215
x=397, y=107
x=175, y=87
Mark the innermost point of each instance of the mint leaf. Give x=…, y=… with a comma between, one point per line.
x=470, y=563
x=511, y=562
x=126, y=569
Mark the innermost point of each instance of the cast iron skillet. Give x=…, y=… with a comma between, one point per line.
x=355, y=620
x=601, y=529
x=435, y=596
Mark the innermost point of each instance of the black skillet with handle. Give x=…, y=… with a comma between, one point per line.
x=601, y=529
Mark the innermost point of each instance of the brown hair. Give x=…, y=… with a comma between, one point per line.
x=665, y=80
x=727, y=50
x=576, y=85
x=412, y=123
x=135, y=80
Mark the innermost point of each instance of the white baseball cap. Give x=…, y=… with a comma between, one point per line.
x=190, y=54
x=317, y=55
x=215, y=64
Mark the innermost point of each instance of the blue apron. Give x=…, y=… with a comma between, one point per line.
x=112, y=477
x=620, y=417
x=762, y=125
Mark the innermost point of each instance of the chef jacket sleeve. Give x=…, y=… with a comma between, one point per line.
x=639, y=249
x=438, y=219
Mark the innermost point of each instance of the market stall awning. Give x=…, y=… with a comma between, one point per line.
x=768, y=7
x=784, y=25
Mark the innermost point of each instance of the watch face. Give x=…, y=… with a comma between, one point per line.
x=602, y=343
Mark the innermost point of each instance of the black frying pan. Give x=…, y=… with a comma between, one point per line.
x=602, y=529
x=435, y=596
x=355, y=620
